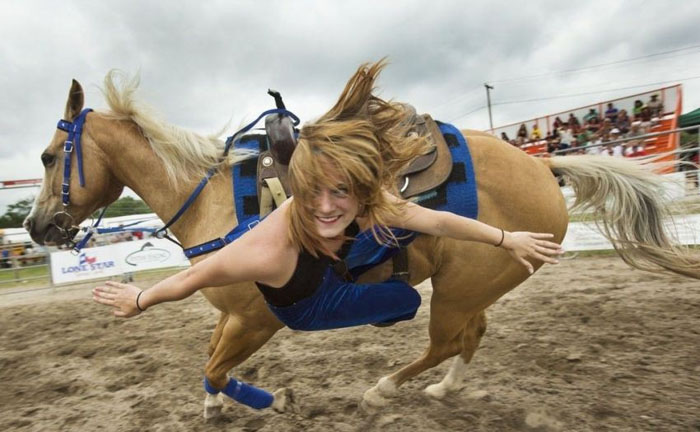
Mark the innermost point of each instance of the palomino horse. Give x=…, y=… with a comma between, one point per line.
x=130, y=147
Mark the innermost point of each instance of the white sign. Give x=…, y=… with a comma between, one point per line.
x=105, y=261
x=583, y=236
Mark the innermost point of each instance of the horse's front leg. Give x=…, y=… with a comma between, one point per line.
x=239, y=339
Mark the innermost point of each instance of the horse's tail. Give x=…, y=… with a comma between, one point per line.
x=631, y=208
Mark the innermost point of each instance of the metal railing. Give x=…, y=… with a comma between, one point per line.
x=640, y=138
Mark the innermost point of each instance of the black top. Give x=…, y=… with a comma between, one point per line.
x=307, y=276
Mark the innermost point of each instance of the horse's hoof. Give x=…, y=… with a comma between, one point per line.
x=212, y=406
x=436, y=391
x=284, y=401
x=367, y=408
x=372, y=399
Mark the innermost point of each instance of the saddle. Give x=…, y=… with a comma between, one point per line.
x=424, y=174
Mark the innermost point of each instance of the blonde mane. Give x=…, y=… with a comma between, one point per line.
x=186, y=155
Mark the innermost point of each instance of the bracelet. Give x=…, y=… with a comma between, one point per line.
x=503, y=237
x=137, y=302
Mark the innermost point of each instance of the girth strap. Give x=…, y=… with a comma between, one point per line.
x=271, y=190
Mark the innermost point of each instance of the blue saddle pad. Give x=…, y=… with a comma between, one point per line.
x=457, y=195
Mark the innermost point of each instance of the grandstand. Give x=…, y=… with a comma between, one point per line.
x=667, y=120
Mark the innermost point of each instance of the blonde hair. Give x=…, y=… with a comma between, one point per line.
x=365, y=140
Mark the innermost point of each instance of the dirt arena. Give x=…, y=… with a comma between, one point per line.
x=589, y=345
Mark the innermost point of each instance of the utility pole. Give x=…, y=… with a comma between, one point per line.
x=488, y=101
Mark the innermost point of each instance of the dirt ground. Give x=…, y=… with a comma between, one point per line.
x=589, y=345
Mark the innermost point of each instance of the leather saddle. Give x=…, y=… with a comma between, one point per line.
x=425, y=173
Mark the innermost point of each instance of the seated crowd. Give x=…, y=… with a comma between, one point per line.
x=591, y=133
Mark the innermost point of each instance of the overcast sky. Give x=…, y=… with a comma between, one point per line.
x=205, y=63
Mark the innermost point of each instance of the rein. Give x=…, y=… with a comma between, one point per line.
x=64, y=222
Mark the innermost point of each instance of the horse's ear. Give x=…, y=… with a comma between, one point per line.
x=75, y=101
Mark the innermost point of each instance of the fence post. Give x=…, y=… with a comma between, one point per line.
x=15, y=268
x=48, y=264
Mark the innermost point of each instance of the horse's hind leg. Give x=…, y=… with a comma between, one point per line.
x=446, y=334
x=235, y=344
x=454, y=378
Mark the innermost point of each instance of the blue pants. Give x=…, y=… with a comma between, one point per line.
x=338, y=304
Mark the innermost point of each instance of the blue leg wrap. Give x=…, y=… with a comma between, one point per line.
x=248, y=395
x=243, y=393
x=209, y=388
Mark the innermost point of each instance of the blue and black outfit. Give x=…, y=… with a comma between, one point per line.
x=319, y=296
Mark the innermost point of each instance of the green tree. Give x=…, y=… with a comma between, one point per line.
x=125, y=206
x=15, y=214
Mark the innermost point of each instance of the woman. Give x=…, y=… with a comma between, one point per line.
x=342, y=174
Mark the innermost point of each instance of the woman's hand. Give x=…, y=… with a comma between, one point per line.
x=121, y=297
x=523, y=245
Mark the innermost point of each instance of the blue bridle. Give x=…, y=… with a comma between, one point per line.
x=73, y=145
x=70, y=146
x=75, y=132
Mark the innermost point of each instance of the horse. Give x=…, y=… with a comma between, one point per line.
x=129, y=145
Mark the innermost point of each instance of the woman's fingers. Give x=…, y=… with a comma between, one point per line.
x=544, y=258
x=548, y=244
x=527, y=265
x=547, y=252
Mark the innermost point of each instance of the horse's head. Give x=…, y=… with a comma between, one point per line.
x=53, y=219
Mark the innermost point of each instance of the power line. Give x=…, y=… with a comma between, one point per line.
x=585, y=68
x=468, y=113
x=593, y=92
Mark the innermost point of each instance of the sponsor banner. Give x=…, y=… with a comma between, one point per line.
x=116, y=259
x=584, y=236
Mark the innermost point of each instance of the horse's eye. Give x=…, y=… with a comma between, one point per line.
x=48, y=159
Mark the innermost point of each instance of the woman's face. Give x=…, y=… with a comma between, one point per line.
x=334, y=210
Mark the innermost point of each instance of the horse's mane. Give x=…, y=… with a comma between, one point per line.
x=186, y=155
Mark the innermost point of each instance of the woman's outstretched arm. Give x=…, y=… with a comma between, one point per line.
x=520, y=245
x=255, y=256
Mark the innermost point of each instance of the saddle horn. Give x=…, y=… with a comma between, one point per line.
x=280, y=132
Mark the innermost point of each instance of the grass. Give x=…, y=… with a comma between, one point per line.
x=38, y=277
x=7, y=276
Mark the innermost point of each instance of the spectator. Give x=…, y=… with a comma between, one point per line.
x=557, y=123
x=591, y=121
x=6, y=263
x=611, y=113
x=618, y=148
x=606, y=127
x=623, y=122
x=536, y=134
x=583, y=137
x=522, y=134
x=645, y=118
x=637, y=110
x=566, y=137
x=634, y=149
x=574, y=124
x=635, y=131
x=656, y=106
x=593, y=147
